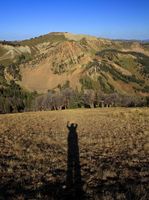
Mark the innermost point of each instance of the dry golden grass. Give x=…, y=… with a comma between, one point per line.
x=113, y=145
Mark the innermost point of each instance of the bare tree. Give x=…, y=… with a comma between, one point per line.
x=89, y=98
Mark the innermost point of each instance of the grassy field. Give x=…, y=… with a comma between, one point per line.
x=105, y=156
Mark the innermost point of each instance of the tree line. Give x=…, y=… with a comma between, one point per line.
x=69, y=98
x=14, y=99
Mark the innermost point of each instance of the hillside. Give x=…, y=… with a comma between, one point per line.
x=87, y=62
x=40, y=158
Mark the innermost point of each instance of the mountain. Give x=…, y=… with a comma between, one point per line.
x=145, y=41
x=50, y=61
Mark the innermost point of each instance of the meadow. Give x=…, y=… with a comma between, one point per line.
x=98, y=153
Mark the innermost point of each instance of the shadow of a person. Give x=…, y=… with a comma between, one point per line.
x=73, y=178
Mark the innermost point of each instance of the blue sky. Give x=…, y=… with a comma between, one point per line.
x=124, y=19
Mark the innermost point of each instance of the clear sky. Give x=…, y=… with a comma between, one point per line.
x=123, y=19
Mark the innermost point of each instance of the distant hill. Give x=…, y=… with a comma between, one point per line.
x=49, y=61
x=146, y=40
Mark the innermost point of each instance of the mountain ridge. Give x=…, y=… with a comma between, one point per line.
x=87, y=62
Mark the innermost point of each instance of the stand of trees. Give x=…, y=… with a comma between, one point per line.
x=14, y=99
x=69, y=98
